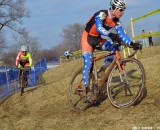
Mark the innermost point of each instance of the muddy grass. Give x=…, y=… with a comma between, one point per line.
x=46, y=108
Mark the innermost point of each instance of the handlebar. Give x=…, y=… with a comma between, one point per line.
x=135, y=51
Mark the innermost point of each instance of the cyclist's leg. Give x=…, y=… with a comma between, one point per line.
x=67, y=57
x=21, y=65
x=108, y=60
x=26, y=73
x=87, y=57
x=27, y=76
x=19, y=78
x=88, y=80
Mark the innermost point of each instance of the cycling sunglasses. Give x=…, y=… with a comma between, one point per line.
x=122, y=10
x=23, y=51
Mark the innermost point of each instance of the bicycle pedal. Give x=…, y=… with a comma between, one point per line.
x=90, y=98
x=87, y=101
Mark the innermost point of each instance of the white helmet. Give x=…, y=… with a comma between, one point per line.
x=23, y=48
x=120, y=4
x=66, y=53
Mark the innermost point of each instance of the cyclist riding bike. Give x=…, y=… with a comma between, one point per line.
x=96, y=34
x=67, y=54
x=23, y=60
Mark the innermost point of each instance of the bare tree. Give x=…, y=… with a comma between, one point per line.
x=54, y=52
x=48, y=54
x=3, y=44
x=9, y=57
x=71, y=41
x=11, y=13
x=72, y=35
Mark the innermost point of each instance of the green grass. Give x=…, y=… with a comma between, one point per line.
x=46, y=108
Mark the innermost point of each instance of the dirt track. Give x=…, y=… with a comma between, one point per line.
x=46, y=108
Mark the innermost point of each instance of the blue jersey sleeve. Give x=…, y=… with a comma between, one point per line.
x=99, y=25
x=122, y=35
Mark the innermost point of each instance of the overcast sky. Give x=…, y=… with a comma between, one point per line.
x=49, y=17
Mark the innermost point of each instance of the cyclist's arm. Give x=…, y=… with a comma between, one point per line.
x=122, y=35
x=99, y=27
x=30, y=59
x=99, y=24
x=17, y=59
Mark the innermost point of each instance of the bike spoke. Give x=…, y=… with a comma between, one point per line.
x=77, y=92
x=125, y=88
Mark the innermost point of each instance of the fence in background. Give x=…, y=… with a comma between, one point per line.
x=52, y=63
x=78, y=54
x=9, y=77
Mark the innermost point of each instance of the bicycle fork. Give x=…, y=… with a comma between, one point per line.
x=123, y=77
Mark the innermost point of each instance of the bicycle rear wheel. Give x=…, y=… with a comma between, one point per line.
x=76, y=92
x=125, y=90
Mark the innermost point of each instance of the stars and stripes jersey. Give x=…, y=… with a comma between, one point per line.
x=23, y=60
x=100, y=24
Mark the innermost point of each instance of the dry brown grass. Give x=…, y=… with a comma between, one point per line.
x=46, y=108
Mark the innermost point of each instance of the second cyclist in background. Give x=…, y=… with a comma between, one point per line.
x=23, y=59
x=67, y=54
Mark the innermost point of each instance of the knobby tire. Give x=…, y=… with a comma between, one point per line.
x=76, y=92
x=128, y=92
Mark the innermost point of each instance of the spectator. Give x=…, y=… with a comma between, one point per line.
x=144, y=40
x=150, y=38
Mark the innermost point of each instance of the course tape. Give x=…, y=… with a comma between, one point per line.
x=148, y=35
x=146, y=15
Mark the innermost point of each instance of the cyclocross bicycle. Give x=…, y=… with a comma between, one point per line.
x=124, y=80
x=24, y=79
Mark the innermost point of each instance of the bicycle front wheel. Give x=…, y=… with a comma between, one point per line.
x=76, y=92
x=23, y=82
x=125, y=88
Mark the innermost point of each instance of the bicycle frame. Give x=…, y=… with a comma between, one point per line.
x=23, y=79
x=124, y=80
x=116, y=60
x=24, y=75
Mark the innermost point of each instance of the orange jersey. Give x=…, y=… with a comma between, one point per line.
x=107, y=23
x=91, y=37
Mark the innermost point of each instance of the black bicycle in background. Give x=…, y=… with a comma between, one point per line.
x=24, y=78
